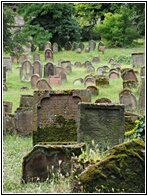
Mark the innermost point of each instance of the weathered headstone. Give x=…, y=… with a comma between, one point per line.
x=101, y=47
x=87, y=49
x=8, y=63
x=77, y=64
x=89, y=81
x=127, y=98
x=36, y=57
x=100, y=70
x=67, y=66
x=103, y=123
x=74, y=46
x=78, y=81
x=55, y=47
x=102, y=81
x=141, y=99
x=129, y=84
x=111, y=60
x=68, y=45
x=92, y=89
x=34, y=79
x=59, y=62
x=26, y=71
x=81, y=45
x=92, y=44
x=28, y=48
x=96, y=60
x=22, y=58
x=63, y=75
x=78, y=50
x=58, y=70
x=49, y=69
x=7, y=106
x=55, y=115
x=90, y=69
x=48, y=55
x=128, y=74
x=138, y=59
x=142, y=71
x=47, y=45
x=113, y=75
x=37, y=68
x=42, y=84
x=26, y=101
x=87, y=63
x=54, y=80
x=103, y=100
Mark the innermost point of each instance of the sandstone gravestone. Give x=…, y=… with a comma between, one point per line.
x=26, y=71
x=77, y=64
x=89, y=81
x=63, y=75
x=96, y=60
x=92, y=44
x=55, y=115
x=7, y=106
x=54, y=80
x=36, y=57
x=90, y=69
x=49, y=69
x=113, y=75
x=78, y=50
x=100, y=70
x=87, y=63
x=55, y=47
x=141, y=99
x=68, y=45
x=8, y=63
x=58, y=70
x=92, y=89
x=103, y=123
x=74, y=46
x=142, y=72
x=59, y=62
x=87, y=49
x=102, y=81
x=128, y=74
x=127, y=98
x=103, y=100
x=22, y=58
x=26, y=101
x=48, y=55
x=34, y=79
x=42, y=84
x=129, y=84
x=47, y=45
x=101, y=47
x=67, y=66
x=81, y=45
x=37, y=68
x=78, y=81
x=138, y=59
x=28, y=48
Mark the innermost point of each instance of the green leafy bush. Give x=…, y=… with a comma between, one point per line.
x=140, y=129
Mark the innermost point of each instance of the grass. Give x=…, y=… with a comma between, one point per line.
x=15, y=147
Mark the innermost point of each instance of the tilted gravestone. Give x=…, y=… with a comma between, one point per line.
x=138, y=59
x=127, y=98
x=8, y=63
x=49, y=69
x=55, y=115
x=54, y=80
x=34, y=79
x=92, y=44
x=37, y=68
x=42, y=84
x=103, y=123
x=67, y=66
x=36, y=57
x=55, y=47
x=26, y=71
x=48, y=55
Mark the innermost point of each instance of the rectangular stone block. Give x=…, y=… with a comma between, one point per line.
x=103, y=123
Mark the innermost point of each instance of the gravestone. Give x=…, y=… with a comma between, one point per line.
x=5, y=88
x=92, y=44
x=58, y=70
x=127, y=98
x=36, y=57
x=101, y=47
x=103, y=100
x=138, y=59
x=77, y=64
x=26, y=71
x=128, y=74
x=22, y=58
x=111, y=60
x=49, y=69
x=28, y=48
x=87, y=49
x=59, y=62
x=89, y=81
x=54, y=80
x=37, y=68
x=78, y=81
x=34, y=79
x=90, y=69
x=67, y=66
x=8, y=63
x=142, y=71
x=96, y=60
x=26, y=101
x=102, y=81
x=63, y=75
x=48, y=55
x=141, y=99
x=47, y=45
x=87, y=63
x=4, y=73
x=42, y=84
x=55, y=115
x=68, y=45
x=78, y=50
x=55, y=47
x=129, y=84
x=92, y=89
x=103, y=123
x=74, y=46
x=23, y=121
x=81, y=45
x=116, y=65
x=7, y=106
x=100, y=70
x=113, y=75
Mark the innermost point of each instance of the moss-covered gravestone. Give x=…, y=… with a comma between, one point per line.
x=121, y=171
x=103, y=123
